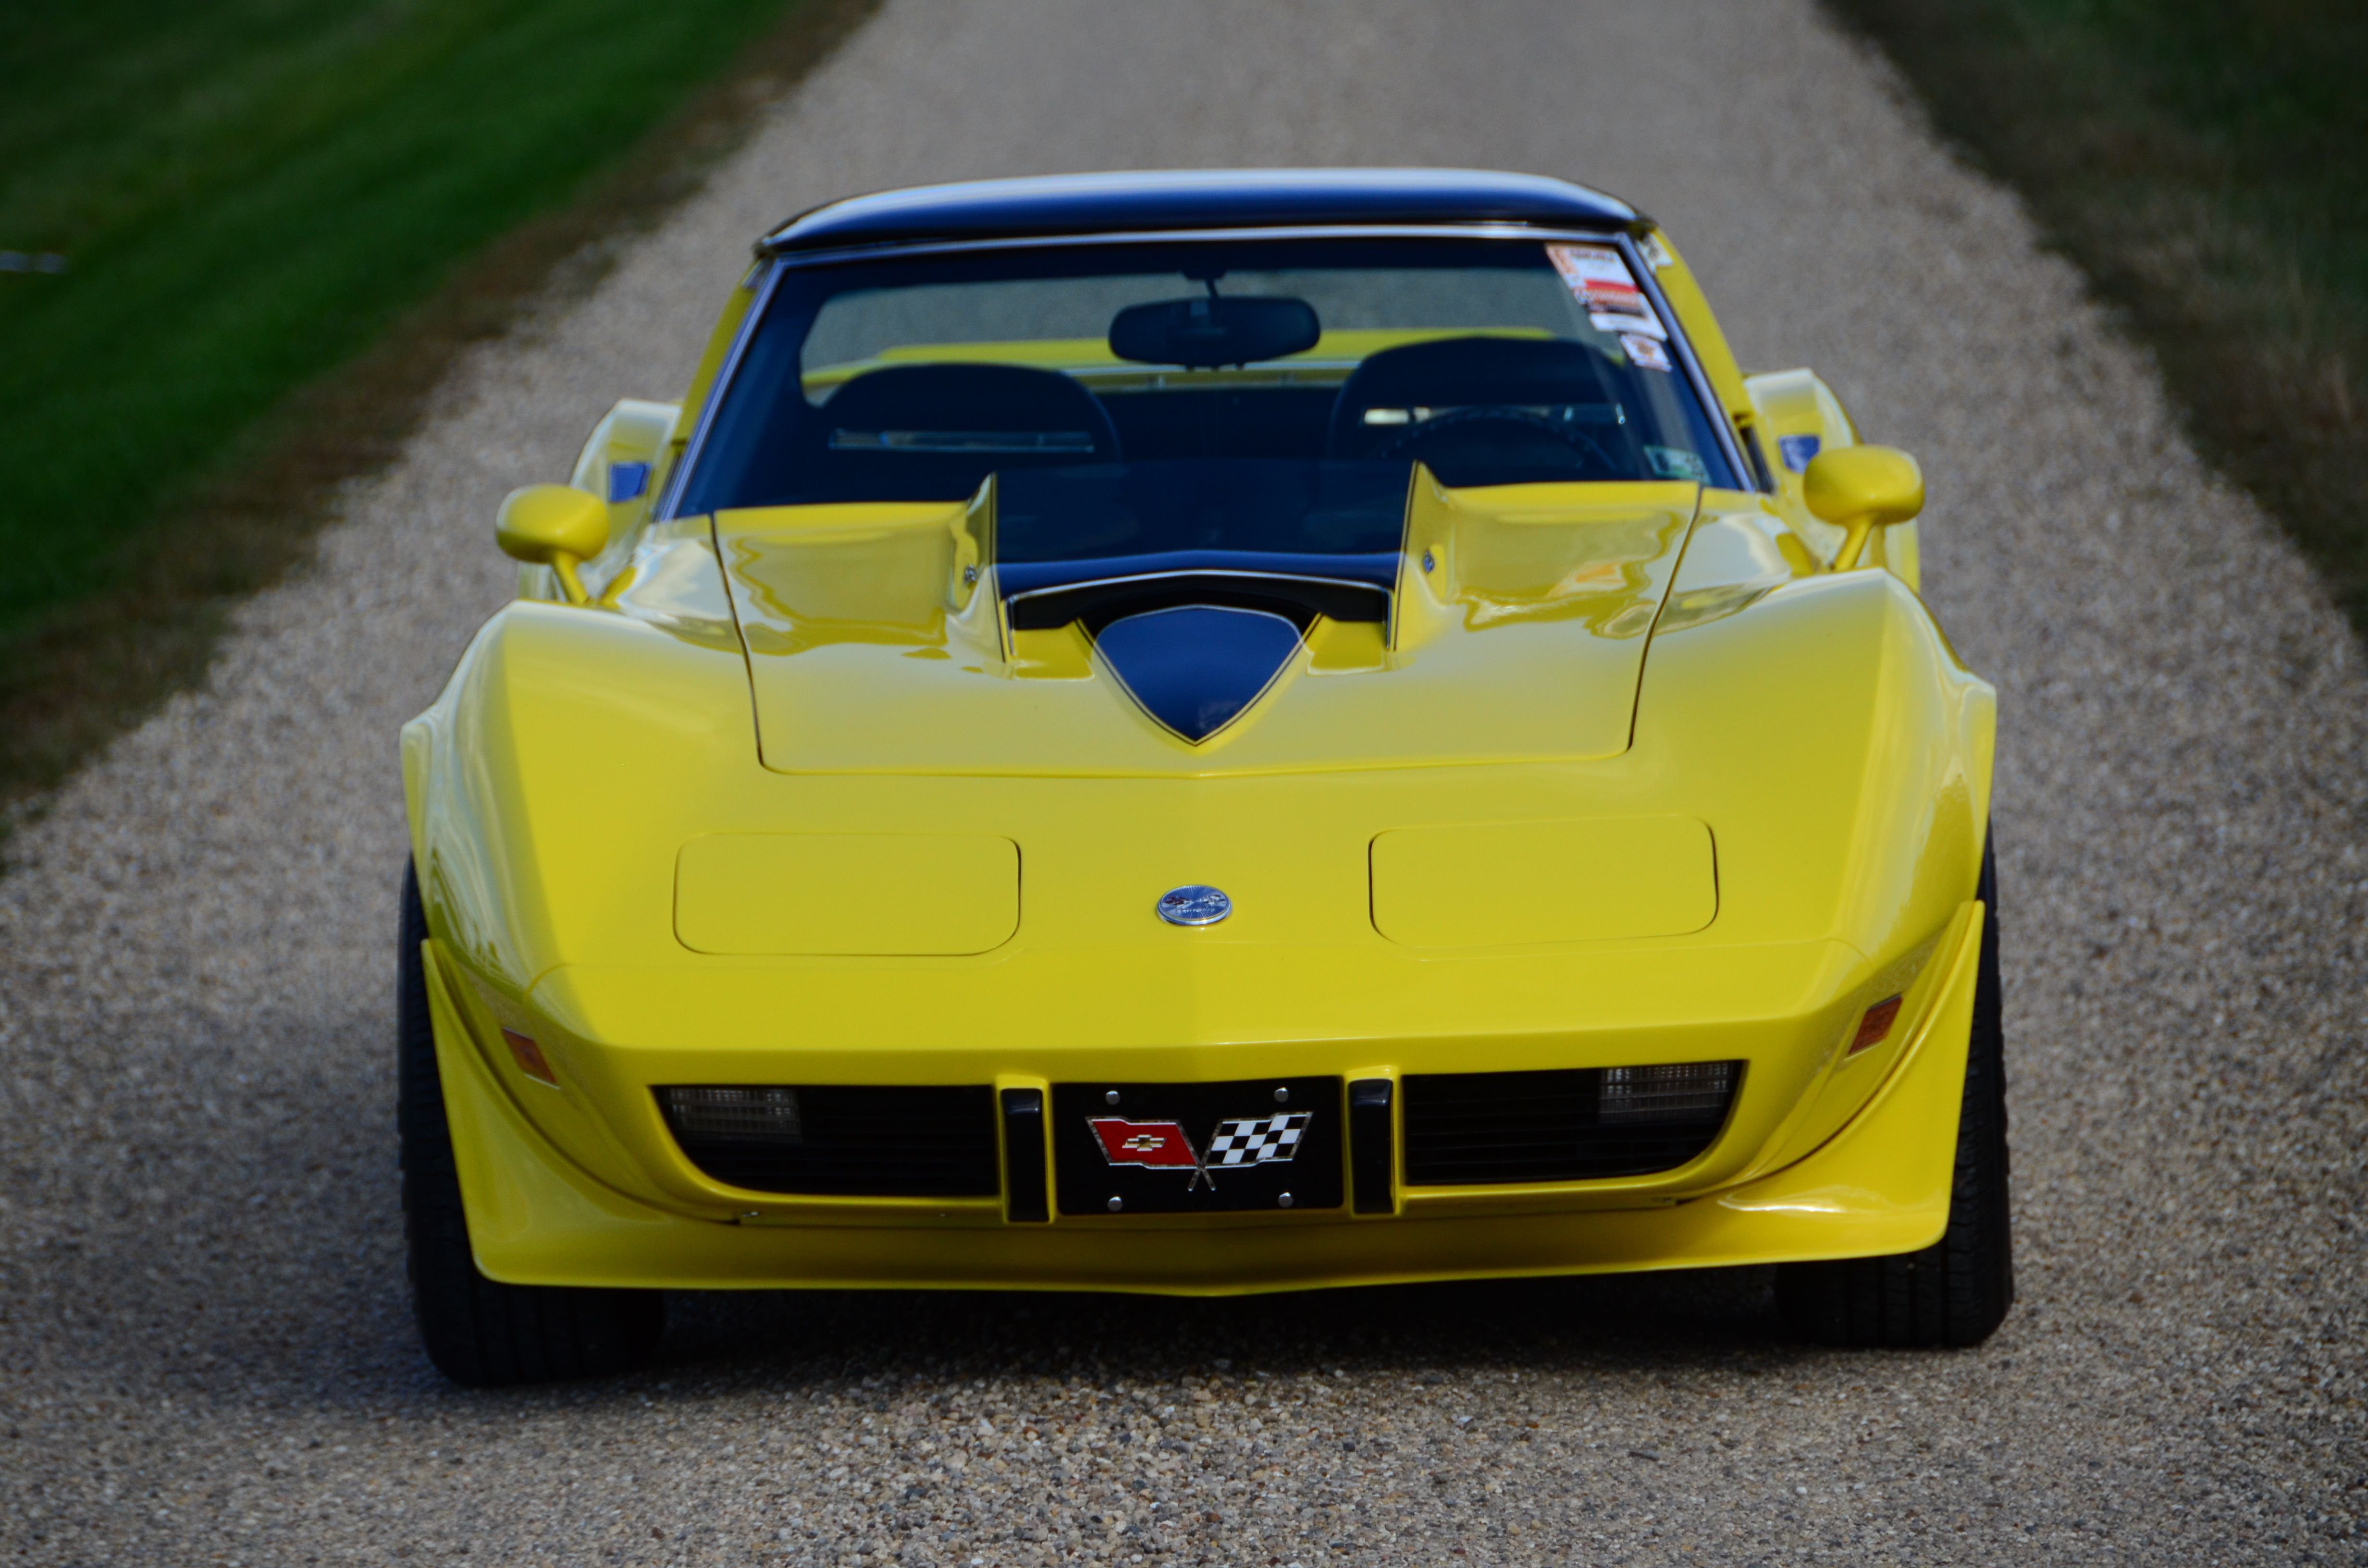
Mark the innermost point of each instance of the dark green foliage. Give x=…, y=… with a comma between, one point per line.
x=247, y=192
x=280, y=220
x=2206, y=163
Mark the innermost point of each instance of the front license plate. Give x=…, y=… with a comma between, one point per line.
x=1196, y=1148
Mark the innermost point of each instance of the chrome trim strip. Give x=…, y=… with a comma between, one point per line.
x=664, y=510
x=1710, y=407
x=1504, y=231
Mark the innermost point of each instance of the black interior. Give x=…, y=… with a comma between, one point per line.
x=934, y=432
x=1242, y=422
x=1123, y=513
x=1501, y=410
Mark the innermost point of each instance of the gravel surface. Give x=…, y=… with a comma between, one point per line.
x=205, y=1354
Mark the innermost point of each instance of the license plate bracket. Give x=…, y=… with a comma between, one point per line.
x=1251, y=1143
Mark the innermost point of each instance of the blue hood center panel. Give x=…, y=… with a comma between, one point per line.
x=1195, y=667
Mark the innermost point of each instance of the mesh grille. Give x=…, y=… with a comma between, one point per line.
x=839, y=1139
x=1464, y=1129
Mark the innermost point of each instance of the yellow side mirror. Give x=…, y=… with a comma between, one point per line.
x=555, y=526
x=1862, y=489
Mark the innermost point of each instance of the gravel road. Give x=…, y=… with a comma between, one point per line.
x=204, y=1350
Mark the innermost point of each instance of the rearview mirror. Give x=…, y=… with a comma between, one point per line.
x=1862, y=489
x=556, y=526
x=1203, y=332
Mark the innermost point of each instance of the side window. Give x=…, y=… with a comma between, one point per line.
x=1747, y=436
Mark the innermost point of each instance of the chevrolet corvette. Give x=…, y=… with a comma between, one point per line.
x=1204, y=732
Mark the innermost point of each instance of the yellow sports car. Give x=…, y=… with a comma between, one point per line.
x=1204, y=732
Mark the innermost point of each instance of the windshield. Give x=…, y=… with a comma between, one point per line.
x=1201, y=399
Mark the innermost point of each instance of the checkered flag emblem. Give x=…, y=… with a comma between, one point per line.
x=1257, y=1139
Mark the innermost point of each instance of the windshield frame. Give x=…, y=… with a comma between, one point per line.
x=777, y=264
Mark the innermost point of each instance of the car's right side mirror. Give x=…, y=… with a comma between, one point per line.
x=1861, y=489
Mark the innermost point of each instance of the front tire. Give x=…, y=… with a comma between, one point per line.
x=481, y=1334
x=1956, y=1291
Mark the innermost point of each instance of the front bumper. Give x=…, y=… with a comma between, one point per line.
x=1878, y=1185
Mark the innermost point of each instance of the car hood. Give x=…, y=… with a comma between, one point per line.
x=886, y=637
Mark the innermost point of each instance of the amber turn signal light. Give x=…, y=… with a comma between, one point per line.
x=530, y=1058
x=1874, y=1028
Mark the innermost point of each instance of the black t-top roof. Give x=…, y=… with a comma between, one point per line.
x=1210, y=199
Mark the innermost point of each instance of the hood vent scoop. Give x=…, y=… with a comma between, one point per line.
x=1194, y=668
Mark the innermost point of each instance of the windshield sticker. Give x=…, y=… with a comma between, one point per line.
x=1644, y=353
x=1599, y=276
x=1675, y=463
x=1656, y=254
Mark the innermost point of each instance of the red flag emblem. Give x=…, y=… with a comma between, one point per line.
x=1157, y=1144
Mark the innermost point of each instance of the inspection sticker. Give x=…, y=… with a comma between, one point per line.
x=1599, y=276
x=1644, y=353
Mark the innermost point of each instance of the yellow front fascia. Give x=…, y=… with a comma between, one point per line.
x=1880, y=1185
x=1838, y=756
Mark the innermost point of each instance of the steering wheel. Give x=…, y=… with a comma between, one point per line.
x=1403, y=443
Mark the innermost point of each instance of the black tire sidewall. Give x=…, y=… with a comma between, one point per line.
x=478, y=1331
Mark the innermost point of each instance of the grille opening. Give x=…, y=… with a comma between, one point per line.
x=1686, y=1092
x=848, y=1141
x=765, y=1115
x=1465, y=1129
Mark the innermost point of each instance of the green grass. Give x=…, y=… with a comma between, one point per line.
x=279, y=220
x=2206, y=163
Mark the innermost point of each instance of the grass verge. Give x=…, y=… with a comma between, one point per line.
x=2206, y=163
x=279, y=222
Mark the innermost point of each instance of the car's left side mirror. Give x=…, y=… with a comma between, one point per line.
x=1861, y=489
x=556, y=526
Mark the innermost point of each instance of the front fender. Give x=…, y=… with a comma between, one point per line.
x=558, y=723
x=1849, y=751
x=1851, y=754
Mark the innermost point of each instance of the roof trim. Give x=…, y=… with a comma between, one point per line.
x=803, y=258
x=1072, y=206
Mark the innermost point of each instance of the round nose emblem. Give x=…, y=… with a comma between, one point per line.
x=1195, y=906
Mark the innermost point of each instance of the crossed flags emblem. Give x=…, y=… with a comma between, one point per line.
x=1237, y=1141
